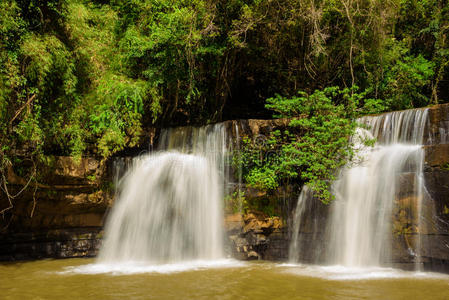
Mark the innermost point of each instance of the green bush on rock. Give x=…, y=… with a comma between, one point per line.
x=314, y=147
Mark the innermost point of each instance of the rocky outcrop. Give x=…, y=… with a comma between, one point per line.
x=256, y=236
x=258, y=129
x=62, y=243
x=438, y=126
x=434, y=232
x=60, y=214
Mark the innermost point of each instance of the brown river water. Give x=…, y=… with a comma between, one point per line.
x=82, y=279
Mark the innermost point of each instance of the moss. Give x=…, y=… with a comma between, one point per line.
x=91, y=177
x=402, y=229
x=51, y=193
x=236, y=202
x=107, y=186
x=84, y=236
x=445, y=210
x=269, y=205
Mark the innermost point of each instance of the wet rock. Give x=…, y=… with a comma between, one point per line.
x=61, y=171
x=59, y=216
x=437, y=187
x=405, y=215
x=233, y=223
x=76, y=242
x=438, y=127
x=265, y=127
x=436, y=246
x=253, y=255
x=258, y=237
x=407, y=184
x=437, y=156
x=258, y=223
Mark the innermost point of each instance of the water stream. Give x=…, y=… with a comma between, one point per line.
x=169, y=205
x=359, y=229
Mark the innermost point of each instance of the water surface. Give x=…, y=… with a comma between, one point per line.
x=72, y=279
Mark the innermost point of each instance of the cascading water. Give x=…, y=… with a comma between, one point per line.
x=360, y=222
x=169, y=206
x=297, y=246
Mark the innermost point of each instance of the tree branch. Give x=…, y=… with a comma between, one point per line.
x=21, y=109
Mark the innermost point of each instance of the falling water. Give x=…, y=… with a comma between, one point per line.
x=208, y=141
x=296, y=246
x=169, y=207
x=360, y=223
x=406, y=127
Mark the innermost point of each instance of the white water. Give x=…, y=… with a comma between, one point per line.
x=131, y=268
x=305, y=198
x=207, y=141
x=344, y=273
x=360, y=222
x=169, y=205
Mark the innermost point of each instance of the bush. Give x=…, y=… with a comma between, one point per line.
x=312, y=150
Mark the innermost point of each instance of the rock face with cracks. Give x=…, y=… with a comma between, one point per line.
x=256, y=236
x=59, y=216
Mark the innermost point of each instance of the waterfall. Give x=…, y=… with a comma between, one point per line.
x=297, y=247
x=209, y=141
x=406, y=127
x=169, y=203
x=359, y=229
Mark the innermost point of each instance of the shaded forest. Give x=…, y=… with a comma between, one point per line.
x=82, y=76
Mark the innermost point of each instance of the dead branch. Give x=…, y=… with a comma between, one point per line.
x=23, y=106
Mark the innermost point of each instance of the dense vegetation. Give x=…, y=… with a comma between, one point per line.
x=82, y=76
x=314, y=146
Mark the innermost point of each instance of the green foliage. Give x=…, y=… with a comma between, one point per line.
x=171, y=46
x=91, y=177
x=99, y=71
x=404, y=79
x=117, y=117
x=261, y=162
x=11, y=25
x=236, y=202
x=314, y=147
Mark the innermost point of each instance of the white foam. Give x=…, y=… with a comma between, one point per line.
x=129, y=268
x=338, y=272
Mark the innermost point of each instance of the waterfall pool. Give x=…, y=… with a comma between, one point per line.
x=65, y=279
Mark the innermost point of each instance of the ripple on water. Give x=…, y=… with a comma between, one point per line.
x=338, y=272
x=129, y=268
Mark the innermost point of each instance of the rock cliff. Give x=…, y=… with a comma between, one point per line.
x=62, y=214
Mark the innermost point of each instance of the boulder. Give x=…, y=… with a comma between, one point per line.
x=258, y=237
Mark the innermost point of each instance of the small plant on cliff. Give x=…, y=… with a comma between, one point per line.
x=236, y=202
x=311, y=151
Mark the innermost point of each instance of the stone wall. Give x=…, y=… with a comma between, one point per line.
x=62, y=243
x=435, y=227
x=60, y=216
